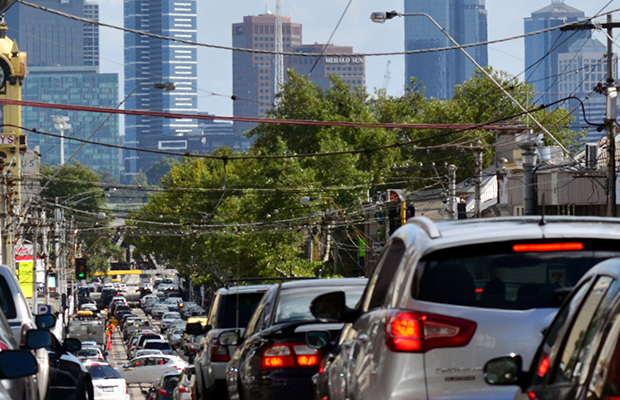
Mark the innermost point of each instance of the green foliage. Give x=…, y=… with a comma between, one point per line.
x=159, y=170
x=242, y=218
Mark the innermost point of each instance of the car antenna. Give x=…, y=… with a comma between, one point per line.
x=542, y=216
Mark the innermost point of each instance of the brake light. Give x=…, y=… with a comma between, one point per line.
x=219, y=353
x=544, y=366
x=408, y=331
x=162, y=391
x=183, y=389
x=548, y=247
x=3, y=346
x=289, y=355
x=531, y=395
x=178, y=367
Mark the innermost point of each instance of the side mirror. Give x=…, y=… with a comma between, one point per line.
x=317, y=339
x=72, y=344
x=503, y=371
x=329, y=307
x=38, y=338
x=230, y=338
x=17, y=364
x=45, y=321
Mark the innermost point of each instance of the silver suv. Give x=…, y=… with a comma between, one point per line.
x=446, y=297
x=231, y=309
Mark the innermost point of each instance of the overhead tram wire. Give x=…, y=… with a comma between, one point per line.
x=271, y=52
x=330, y=38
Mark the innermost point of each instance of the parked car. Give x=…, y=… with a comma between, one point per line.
x=446, y=297
x=211, y=360
x=273, y=361
x=146, y=369
x=579, y=357
x=183, y=390
x=108, y=384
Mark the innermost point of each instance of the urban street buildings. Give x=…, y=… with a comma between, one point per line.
x=439, y=72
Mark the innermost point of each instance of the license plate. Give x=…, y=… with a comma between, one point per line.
x=107, y=389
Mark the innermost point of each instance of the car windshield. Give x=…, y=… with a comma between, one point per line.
x=498, y=276
x=246, y=302
x=103, y=372
x=294, y=303
x=87, y=353
x=174, y=315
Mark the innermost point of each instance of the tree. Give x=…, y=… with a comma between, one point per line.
x=159, y=170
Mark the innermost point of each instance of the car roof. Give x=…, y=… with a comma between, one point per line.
x=488, y=230
x=244, y=289
x=324, y=282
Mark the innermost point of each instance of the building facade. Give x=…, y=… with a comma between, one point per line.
x=254, y=74
x=542, y=51
x=73, y=86
x=149, y=61
x=439, y=72
x=91, y=34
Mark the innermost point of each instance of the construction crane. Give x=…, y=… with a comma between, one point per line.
x=387, y=76
x=279, y=58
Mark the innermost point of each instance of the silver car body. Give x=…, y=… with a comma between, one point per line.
x=146, y=369
x=367, y=369
x=168, y=318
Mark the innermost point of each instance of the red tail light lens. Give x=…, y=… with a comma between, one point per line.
x=289, y=355
x=544, y=366
x=162, y=391
x=3, y=346
x=183, y=389
x=420, y=332
x=219, y=353
x=548, y=247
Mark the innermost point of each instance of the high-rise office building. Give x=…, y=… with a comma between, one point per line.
x=149, y=61
x=542, y=51
x=583, y=67
x=63, y=62
x=439, y=72
x=254, y=74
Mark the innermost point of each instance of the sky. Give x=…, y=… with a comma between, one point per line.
x=319, y=18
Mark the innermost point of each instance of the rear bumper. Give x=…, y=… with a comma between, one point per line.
x=277, y=386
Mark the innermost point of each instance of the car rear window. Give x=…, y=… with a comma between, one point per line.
x=497, y=276
x=227, y=315
x=6, y=299
x=157, y=345
x=103, y=372
x=294, y=304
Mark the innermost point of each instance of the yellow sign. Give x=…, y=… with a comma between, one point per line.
x=24, y=276
x=114, y=322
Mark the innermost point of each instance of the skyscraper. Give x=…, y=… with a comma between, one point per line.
x=254, y=74
x=149, y=61
x=63, y=63
x=542, y=51
x=439, y=72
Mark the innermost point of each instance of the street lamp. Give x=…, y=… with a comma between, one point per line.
x=61, y=122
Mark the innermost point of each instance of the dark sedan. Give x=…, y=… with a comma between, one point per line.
x=273, y=360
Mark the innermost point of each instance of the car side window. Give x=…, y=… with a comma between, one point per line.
x=605, y=381
x=578, y=339
x=384, y=273
x=258, y=318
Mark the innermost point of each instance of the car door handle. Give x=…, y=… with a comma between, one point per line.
x=364, y=338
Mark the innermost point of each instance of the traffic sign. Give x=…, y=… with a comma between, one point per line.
x=44, y=309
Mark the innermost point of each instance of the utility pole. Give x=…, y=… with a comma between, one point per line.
x=452, y=202
x=611, y=91
x=478, y=189
x=35, y=251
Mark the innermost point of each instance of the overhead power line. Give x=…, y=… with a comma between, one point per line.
x=271, y=52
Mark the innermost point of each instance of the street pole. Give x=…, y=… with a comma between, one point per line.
x=452, y=204
x=35, y=252
x=478, y=190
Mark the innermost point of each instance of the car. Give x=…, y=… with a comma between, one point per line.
x=149, y=304
x=183, y=390
x=146, y=369
x=120, y=310
x=147, y=352
x=159, y=310
x=17, y=367
x=162, y=388
x=446, y=297
x=139, y=341
x=108, y=384
x=167, y=318
x=273, y=360
x=89, y=307
x=579, y=356
x=173, y=303
x=174, y=336
x=158, y=344
x=130, y=328
x=90, y=353
x=212, y=356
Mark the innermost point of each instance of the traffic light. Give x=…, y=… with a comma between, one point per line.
x=80, y=268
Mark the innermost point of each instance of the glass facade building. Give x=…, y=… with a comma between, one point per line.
x=542, y=51
x=149, y=61
x=73, y=86
x=439, y=72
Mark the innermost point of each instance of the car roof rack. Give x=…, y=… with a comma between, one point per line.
x=229, y=282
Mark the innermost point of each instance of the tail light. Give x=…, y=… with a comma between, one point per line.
x=99, y=356
x=544, y=366
x=162, y=391
x=415, y=332
x=183, y=389
x=179, y=368
x=219, y=353
x=289, y=355
x=3, y=346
